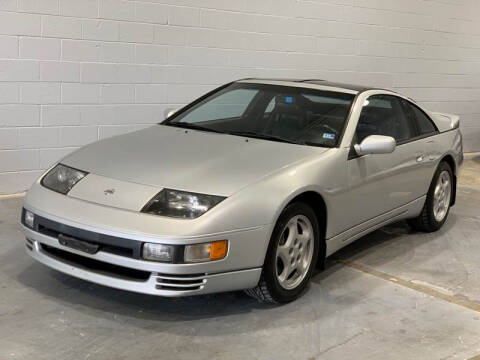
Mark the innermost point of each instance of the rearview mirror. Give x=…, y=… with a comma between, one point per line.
x=169, y=112
x=376, y=144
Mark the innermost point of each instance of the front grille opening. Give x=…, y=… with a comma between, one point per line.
x=168, y=281
x=117, y=250
x=112, y=249
x=174, y=288
x=96, y=266
x=187, y=282
x=29, y=244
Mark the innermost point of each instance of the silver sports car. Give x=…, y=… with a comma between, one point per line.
x=249, y=187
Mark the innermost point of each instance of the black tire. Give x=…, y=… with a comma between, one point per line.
x=426, y=220
x=269, y=289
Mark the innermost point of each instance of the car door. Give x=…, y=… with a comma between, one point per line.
x=426, y=131
x=380, y=183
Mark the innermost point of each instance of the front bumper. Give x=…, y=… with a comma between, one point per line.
x=240, y=269
x=135, y=275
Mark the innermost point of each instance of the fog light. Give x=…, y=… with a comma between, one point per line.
x=29, y=219
x=158, y=252
x=216, y=250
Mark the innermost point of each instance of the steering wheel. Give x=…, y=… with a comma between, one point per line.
x=319, y=129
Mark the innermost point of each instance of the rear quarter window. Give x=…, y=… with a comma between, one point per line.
x=425, y=125
x=422, y=121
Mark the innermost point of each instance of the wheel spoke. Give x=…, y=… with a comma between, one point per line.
x=292, y=233
x=303, y=264
x=286, y=274
x=446, y=185
x=287, y=270
x=446, y=202
x=304, y=238
x=283, y=254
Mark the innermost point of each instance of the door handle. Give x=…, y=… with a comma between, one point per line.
x=430, y=150
x=420, y=158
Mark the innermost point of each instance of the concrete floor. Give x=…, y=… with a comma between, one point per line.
x=393, y=294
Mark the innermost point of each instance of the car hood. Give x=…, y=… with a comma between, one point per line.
x=196, y=161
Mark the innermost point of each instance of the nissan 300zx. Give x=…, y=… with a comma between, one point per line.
x=249, y=187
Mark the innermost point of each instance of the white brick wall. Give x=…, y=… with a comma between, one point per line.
x=74, y=71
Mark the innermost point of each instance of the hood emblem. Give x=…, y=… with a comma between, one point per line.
x=109, y=191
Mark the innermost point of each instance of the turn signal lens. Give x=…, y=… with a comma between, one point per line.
x=216, y=250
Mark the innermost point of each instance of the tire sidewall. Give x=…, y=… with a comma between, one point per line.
x=430, y=196
x=279, y=293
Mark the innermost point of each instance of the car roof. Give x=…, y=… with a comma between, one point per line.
x=311, y=83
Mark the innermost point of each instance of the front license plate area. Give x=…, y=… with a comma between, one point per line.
x=77, y=244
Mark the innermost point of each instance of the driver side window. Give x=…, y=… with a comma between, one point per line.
x=383, y=115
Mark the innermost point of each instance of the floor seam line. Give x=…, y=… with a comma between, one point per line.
x=471, y=305
x=11, y=196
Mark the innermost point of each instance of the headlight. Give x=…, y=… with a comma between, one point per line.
x=29, y=219
x=62, y=178
x=180, y=204
x=158, y=252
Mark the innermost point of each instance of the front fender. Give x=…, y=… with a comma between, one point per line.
x=262, y=203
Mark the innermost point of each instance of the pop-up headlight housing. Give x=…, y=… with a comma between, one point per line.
x=62, y=178
x=181, y=204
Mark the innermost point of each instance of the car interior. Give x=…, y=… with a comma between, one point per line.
x=307, y=118
x=383, y=116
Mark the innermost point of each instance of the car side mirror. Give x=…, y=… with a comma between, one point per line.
x=376, y=144
x=169, y=112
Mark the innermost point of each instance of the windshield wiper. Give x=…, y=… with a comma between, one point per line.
x=192, y=126
x=310, y=143
x=261, y=136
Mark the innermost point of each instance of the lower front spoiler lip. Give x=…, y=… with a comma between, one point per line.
x=169, y=285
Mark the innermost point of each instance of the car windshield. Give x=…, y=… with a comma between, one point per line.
x=278, y=113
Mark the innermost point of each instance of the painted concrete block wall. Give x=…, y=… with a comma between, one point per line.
x=75, y=71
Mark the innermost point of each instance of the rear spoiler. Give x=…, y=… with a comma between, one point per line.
x=445, y=122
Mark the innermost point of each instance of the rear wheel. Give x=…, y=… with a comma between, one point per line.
x=437, y=204
x=291, y=256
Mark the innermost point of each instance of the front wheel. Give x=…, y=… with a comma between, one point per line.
x=291, y=256
x=437, y=204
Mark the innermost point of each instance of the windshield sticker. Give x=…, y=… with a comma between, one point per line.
x=329, y=136
x=288, y=99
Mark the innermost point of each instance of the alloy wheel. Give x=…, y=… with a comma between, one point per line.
x=442, y=196
x=294, y=252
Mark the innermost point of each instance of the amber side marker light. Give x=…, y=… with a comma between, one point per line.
x=215, y=250
x=218, y=249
